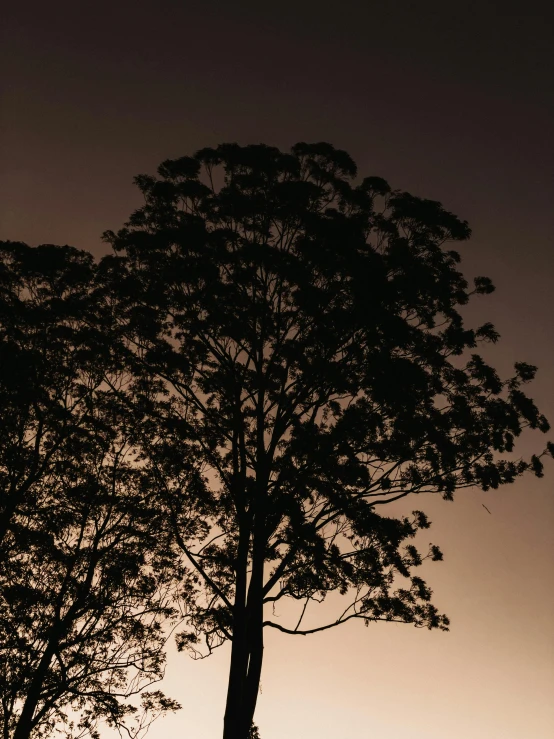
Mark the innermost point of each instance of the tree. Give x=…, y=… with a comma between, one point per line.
x=305, y=335
x=86, y=575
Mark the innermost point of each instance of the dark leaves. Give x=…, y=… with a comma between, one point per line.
x=296, y=340
x=483, y=286
x=80, y=610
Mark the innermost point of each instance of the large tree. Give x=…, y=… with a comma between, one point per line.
x=86, y=575
x=303, y=330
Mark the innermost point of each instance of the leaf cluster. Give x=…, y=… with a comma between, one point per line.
x=87, y=575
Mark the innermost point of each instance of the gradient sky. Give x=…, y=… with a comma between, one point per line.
x=449, y=100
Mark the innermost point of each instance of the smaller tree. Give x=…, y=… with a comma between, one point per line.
x=86, y=569
x=51, y=363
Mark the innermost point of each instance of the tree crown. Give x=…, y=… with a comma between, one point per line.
x=306, y=333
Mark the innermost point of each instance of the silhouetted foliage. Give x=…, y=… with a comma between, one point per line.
x=306, y=334
x=86, y=574
x=273, y=353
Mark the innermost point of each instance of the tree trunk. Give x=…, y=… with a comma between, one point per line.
x=237, y=680
x=244, y=683
x=239, y=649
x=247, y=648
x=253, y=677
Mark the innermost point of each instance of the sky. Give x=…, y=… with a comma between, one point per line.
x=448, y=100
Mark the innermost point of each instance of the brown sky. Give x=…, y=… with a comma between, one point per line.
x=449, y=100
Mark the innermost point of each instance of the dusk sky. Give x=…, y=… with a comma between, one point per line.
x=448, y=100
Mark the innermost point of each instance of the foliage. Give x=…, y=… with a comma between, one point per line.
x=86, y=574
x=305, y=331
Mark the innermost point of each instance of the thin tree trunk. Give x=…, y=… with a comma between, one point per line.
x=237, y=679
x=247, y=649
x=244, y=682
x=255, y=619
x=253, y=678
x=239, y=650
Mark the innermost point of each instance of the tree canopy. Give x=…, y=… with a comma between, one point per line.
x=86, y=574
x=298, y=360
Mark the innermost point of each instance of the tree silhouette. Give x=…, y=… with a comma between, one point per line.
x=86, y=575
x=303, y=335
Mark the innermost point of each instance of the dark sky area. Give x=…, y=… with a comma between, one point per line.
x=448, y=100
